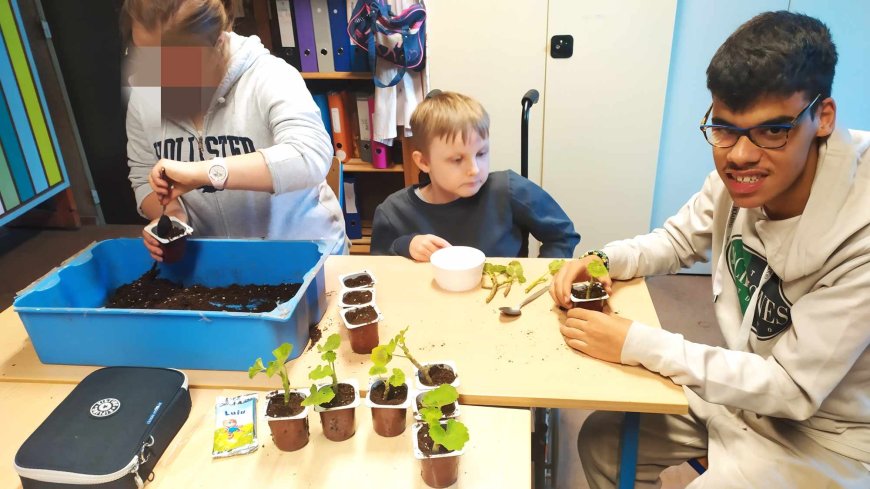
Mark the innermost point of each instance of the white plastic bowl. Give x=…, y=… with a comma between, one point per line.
x=458, y=268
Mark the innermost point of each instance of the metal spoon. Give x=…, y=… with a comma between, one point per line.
x=515, y=311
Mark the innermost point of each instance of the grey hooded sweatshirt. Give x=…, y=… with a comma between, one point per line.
x=262, y=105
x=792, y=298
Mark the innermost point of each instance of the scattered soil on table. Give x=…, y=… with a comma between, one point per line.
x=277, y=409
x=151, y=292
x=424, y=441
x=440, y=374
x=363, y=280
x=398, y=395
x=314, y=334
x=343, y=397
x=357, y=297
x=579, y=291
x=362, y=315
x=446, y=410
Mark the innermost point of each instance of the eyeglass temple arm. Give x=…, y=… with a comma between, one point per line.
x=706, y=115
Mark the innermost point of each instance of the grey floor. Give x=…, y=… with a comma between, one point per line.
x=682, y=302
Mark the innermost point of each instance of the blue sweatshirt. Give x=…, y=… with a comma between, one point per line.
x=492, y=220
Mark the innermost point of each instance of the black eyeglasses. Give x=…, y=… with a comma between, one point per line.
x=767, y=136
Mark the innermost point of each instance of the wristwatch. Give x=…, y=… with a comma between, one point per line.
x=217, y=173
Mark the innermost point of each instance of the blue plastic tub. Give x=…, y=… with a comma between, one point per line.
x=64, y=315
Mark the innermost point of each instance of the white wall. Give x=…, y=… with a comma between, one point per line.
x=603, y=113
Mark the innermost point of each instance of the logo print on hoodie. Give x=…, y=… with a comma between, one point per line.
x=215, y=146
x=772, y=313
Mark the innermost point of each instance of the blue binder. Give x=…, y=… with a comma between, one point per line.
x=323, y=104
x=352, y=220
x=338, y=30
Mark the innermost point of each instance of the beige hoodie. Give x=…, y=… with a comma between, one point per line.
x=799, y=351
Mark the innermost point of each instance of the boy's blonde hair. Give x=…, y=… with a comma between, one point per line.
x=447, y=115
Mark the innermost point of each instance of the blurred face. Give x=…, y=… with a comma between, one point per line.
x=457, y=168
x=187, y=70
x=777, y=179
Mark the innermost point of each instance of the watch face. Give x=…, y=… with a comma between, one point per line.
x=217, y=173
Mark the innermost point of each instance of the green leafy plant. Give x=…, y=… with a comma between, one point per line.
x=595, y=270
x=399, y=341
x=281, y=354
x=454, y=436
x=512, y=272
x=326, y=393
x=552, y=269
x=381, y=356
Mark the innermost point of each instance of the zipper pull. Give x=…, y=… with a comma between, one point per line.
x=136, y=477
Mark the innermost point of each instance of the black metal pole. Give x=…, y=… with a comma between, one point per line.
x=529, y=99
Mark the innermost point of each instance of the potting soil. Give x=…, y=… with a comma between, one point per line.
x=151, y=292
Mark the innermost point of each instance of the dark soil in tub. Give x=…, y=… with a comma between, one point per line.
x=344, y=396
x=440, y=374
x=363, y=280
x=363, y=315
x=398, y=395
x=151, y=292
x=357, y=297
x=277, y=409
x=424, y=441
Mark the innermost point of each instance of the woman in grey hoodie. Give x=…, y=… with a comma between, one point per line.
x=221, y=133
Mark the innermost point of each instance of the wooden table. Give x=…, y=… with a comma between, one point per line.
x=497, y=454
x=518, y=362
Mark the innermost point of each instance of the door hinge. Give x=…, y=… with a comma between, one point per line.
x=46, y=29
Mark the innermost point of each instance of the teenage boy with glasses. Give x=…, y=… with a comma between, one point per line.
x=787, y=216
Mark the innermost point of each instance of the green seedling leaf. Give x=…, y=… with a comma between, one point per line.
x=596, y=269
x=453, y=438
x=398, y=377
x=256, y=368
x=515, y=270
x=331, y=343
x=442, y=395
x=555, y=266
x=320, y=372
x=431, y=416
x=377, y=370
x=282, y=353
x=273, y=367
x=317, y=397
x=381, y=355
x=492, y=268
x=329, y=356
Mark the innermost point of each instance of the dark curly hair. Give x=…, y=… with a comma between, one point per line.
x=774, y=53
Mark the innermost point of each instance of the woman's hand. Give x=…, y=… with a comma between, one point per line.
x=423, y=245
x=172, y=179
x=572, y=272
x=596, y=334
x=151, y=243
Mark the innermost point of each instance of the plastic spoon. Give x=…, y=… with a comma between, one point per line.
x=515, y=311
